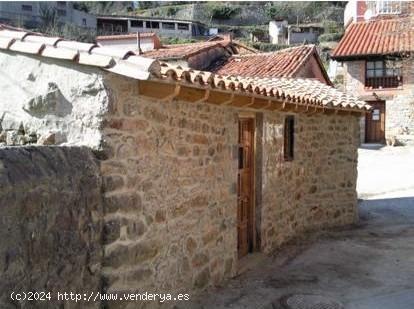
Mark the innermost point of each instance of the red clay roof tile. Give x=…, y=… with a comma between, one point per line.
x=182, y=50
x=376, y=37
x=284, y=63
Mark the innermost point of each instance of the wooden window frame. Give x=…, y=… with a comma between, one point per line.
x=384, y=81
x=289, y=138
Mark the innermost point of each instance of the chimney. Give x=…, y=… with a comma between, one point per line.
x=139, y=43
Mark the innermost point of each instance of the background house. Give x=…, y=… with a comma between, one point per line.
x=280, y=32
x=28, y=14
x=108, y=25
x=376, y=55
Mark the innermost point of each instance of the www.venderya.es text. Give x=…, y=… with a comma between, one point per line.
x=96, y=296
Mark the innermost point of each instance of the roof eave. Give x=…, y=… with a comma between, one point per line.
x=364, y=56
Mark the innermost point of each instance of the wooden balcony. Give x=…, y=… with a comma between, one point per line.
x=383, y=82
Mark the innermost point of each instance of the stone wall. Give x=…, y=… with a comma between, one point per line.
x=318, y=188
x=50, y=207
x=170, y=176
x=399, y=119
x=399, y=103
x=170, y=193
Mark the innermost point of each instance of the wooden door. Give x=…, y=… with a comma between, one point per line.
x=245, y=187
x=375, y=123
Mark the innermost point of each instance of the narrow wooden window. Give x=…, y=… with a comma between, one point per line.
x=289, y=138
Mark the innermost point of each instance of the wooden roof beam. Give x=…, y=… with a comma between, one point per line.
x=162, y=91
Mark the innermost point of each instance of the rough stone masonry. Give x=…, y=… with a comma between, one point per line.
x=152, y=205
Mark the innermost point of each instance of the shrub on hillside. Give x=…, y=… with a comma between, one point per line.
x=328, y=37
x=269, y=47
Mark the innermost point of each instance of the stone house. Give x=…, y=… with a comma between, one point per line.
x=300, y=62
x=378, y=66
x=144, y=41
x=158, y=178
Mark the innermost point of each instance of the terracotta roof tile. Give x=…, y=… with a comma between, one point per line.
x=27, y=47
x=109, y=51
x=41, y=39
x=294, y=90
x=121, y=62
x=283, y=63
x=60, y=53
x=182, y=50
x=291, y=90
x=376, y=37
x=80, y=46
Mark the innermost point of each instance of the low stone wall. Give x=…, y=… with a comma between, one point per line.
x=50, y=210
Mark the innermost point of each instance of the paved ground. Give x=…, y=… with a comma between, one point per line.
x=366, y=266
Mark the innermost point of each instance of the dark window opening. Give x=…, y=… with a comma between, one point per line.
x=169, y=26
x=383, y=74
x=153, y=24
x=61, y=12
x=84, y=21
x=183, y=26
x=289, y=138
x=137, y=23
x=241, y=157
x=27, y=8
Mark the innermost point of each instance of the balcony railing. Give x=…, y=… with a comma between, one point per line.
x=383, y=82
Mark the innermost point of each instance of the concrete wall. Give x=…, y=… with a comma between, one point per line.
x=50, y=98
x=300, y=37
x=51, y=211
x=399, y=103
